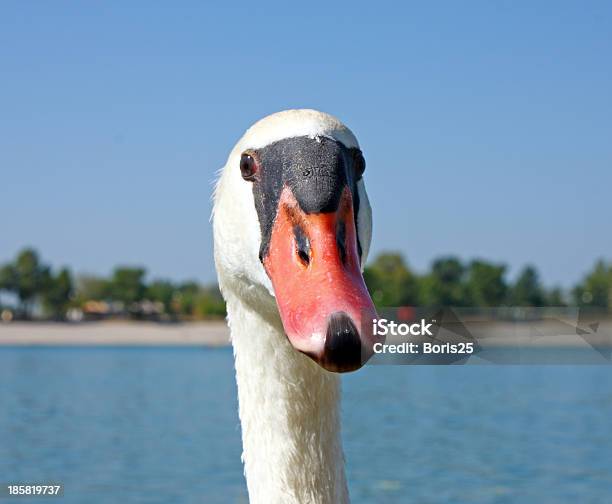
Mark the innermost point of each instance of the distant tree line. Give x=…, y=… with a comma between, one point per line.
x=478, y=283
x=450, y=282
x=33, y=282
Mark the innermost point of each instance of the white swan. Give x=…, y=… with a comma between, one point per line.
x=292, y=228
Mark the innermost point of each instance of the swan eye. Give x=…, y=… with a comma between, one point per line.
x=248, y=167
x=359, y=164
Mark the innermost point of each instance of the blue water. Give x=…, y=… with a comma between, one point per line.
x=160, y=425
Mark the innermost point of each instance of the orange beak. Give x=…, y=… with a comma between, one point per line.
x=322, y=298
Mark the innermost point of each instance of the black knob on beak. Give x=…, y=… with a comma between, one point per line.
x=343, y=350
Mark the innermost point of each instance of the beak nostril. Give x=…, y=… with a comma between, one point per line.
x=341, y=240
x=304, y=257
x=302, y=244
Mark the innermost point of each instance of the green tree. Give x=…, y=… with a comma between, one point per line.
x=127, y=285
x=444, y=285
x=485, y=283
x=527, y=290
x=555, y=297
x=596, y=288
x=209, y=303
x=89, y=287
x=32, y=278
x=185, y=298
x=58, y=294
x=26, y=277
x=391, y=282
x=164, y=292
x=8, y=278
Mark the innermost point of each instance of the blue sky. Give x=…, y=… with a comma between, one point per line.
x=486, y=126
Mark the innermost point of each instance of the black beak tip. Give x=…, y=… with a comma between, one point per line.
x=343, y=350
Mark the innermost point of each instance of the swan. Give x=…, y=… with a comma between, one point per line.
x=292, y=229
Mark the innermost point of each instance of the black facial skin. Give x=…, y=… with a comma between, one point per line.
x=316, y=171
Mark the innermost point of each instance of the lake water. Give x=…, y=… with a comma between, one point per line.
x=160, y=425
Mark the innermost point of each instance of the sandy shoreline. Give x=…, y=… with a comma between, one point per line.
x=215, y=334
x=115, y=333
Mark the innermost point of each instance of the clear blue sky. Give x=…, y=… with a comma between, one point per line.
x=486, y=126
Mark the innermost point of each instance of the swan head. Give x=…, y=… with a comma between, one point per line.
x=292, y=229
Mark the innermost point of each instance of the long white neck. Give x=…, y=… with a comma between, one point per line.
x=289, y=412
